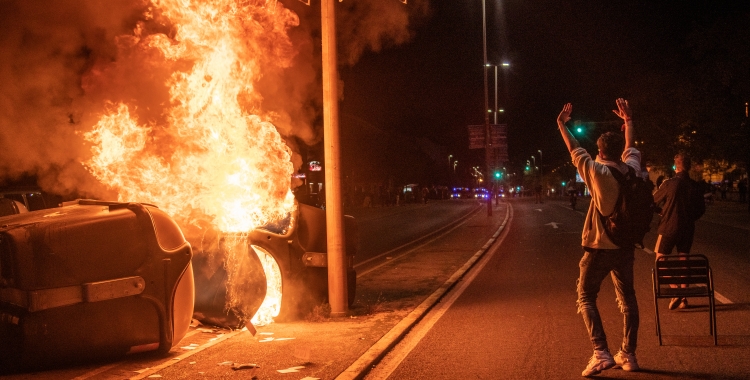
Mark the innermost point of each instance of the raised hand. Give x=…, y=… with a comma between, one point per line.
x=565, y=114
x=623, y=109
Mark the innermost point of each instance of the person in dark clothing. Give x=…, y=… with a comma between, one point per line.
x=681, y=202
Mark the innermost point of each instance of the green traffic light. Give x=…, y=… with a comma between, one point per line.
x=579, y=130
x=498, y=175
x=527, y=168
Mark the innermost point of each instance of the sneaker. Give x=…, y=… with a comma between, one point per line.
x=600, y=361
x=684, y=304
x=675, y=303
x=626, y=361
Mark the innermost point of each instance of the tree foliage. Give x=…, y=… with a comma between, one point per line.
x=699, y=105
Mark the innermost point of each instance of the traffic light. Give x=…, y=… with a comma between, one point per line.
x=578, y=127
x=498, y=175
x=528, y=168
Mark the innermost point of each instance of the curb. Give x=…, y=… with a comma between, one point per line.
x=374, y=354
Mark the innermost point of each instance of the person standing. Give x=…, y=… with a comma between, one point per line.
x=682, y=203
x=601, y=256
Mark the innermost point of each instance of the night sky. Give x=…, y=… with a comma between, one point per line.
x=585, y=52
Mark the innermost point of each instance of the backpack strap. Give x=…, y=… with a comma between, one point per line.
x=620, y=181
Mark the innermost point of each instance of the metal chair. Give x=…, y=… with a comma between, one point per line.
x=678, y=270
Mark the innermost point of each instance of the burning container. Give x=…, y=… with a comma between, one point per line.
x=284, y=270
x=91, y=280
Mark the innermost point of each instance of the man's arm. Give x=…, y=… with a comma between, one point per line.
x=564, y=116
x=624, y=112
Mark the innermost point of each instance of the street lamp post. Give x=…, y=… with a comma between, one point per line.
x=487, y=145
x=454, y=166
x=541, y=168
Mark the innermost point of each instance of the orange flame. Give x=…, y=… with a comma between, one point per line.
x=218, y=159
x=228, y=164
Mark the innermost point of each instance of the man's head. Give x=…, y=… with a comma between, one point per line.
x=610, y=146
x=682, y=162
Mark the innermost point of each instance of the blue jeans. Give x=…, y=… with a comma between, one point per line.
x=595, y=265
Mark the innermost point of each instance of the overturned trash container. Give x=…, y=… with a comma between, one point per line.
x=91, y=280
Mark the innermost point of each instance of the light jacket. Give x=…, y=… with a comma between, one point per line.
x=604, y=191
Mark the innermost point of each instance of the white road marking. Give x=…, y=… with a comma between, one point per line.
x=721, y=298
x=553, y=224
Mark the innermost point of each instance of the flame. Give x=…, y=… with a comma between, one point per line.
x=217, y=158
x=271, y=305
x=213, y=156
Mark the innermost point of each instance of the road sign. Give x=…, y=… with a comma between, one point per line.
x=498, y=136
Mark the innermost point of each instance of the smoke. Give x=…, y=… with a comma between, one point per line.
x=45, y=47
x=63, y=63
x=376, y=24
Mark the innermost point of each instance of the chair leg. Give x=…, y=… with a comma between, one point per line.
x=712, y=312
x=656, y=308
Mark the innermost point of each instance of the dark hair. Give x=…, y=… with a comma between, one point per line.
x=682, y=161
x=611, y=144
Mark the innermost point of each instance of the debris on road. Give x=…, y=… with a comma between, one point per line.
x=238, y=366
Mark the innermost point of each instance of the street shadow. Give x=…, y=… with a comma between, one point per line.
x=683, y=375
x=691, y=308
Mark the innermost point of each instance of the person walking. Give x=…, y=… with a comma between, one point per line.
x=682, y=203
x=601, y=256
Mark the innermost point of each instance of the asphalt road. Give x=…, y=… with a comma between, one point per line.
x=515, y=316
x=385, y=229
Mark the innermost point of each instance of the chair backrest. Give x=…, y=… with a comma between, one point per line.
x=682, y=270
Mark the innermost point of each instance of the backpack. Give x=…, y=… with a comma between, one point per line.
x=631, y=219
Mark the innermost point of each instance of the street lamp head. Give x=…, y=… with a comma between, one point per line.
x=506, y=64
x=501, y=110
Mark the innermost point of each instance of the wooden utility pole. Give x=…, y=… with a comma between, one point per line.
x=337, y=290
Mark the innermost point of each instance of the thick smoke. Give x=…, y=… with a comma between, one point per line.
x=45, y=47
x=57, y=61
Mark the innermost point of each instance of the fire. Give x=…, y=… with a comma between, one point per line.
x=271, y=305
x=217, y=158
